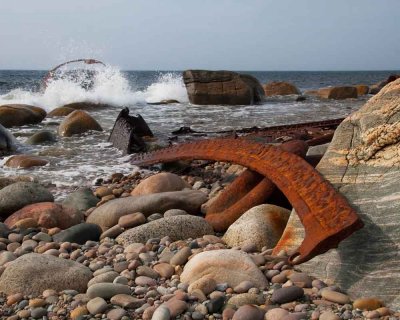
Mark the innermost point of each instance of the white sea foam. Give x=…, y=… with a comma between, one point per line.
x=109, y=86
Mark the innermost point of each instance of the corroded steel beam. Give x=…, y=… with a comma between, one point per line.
x=247, y=191
x=325, y=214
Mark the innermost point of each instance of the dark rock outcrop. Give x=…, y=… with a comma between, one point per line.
x=222, y=87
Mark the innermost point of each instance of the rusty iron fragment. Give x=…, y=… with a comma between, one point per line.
x=247, y=191
x=325, y=214
x=50, y=74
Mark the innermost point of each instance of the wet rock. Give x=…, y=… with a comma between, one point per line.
x=362, y=157
x=20, y=114
x=82, y=199
x=230, y=266
x=336, y=93
x=60, y=112
x=108, y=214
x=79, y=233
x=47, y=215
x=287, y=294
x=161, y=182
x=86, y=105
x=177, y=228
x=25, y=161
x=262, y=225
x=76, y=123
x=7, y=141
x=33, y=273
x=222, y=87
x=20, y=194
x=280, y=88
x=40, y=137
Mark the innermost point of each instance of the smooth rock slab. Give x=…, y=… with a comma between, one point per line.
x=262, y=225
x=79, y=233
x=224, y=266
x=177, y=228
x=33, y=273
x=108, y=214
x=362, y=162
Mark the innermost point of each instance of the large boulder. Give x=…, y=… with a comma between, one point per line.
x=363, y=163
x=375, y=88
x=222, y=87
x=280, y=88
x=33, y=273
x=7, y=141
x=78, y=122
x=261, y=225
x=224, y=266
x=108, y=214
x=21, y=194
x=86, y=105
x=336, y=93
x=25, y=161
x=20, y=114
x=43, y=136
x=161, y=182
x=60, y=112
x=47, y=215
x=176, y=228
x=362, y=89
x=81, y=199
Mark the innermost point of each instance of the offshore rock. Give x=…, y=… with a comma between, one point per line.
x=280, y=88
x=25, y=161
x=33, y=273
x=20, y=114
x=60, y=112
x=177, y=228
x=362, y=162
x=43, y=136
x=7, y=141
x=261, y=225
x=78, y=122
x=222, y=87
x=336, y=93
x=108, y=214
x=20, y=194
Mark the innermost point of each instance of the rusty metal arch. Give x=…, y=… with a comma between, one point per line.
x=325, y=214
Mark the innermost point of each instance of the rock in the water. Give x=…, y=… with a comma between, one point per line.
x=79, y=233
x=7, y=141
x=336, y=93
x=20, y=114
x=362, y=162
x=222, y=87
x=20, y=194
x=60, y=112
x=33, y=273
x=362, y=89
x=25, y=161
x=224, y=266
x=109, y=213
x=47, y=215
x=262, y=226
x=161, y=182
x=280, y=88
x=82, y=199
x=76, y=123
x=86, y=105
x=177, y=228
x=41, y=137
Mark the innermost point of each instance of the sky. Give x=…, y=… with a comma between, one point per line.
x=260, y=35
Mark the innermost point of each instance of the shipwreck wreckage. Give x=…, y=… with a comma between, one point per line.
x=275, y=157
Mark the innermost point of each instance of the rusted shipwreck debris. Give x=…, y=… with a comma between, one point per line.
x=325, y=214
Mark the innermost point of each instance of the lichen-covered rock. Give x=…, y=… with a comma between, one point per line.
x=222, y=87
x=224, y=266
x=108, y=214
x=363, y=163
x=280, y=88
x=261, y=226
x=47, y=215
x=78, y=122
x=177, y=228
x=33, y=273
x=20, y=114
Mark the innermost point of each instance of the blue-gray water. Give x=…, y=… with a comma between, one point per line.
x=78, y=160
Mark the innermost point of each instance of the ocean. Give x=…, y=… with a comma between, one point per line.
x=79, y=160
